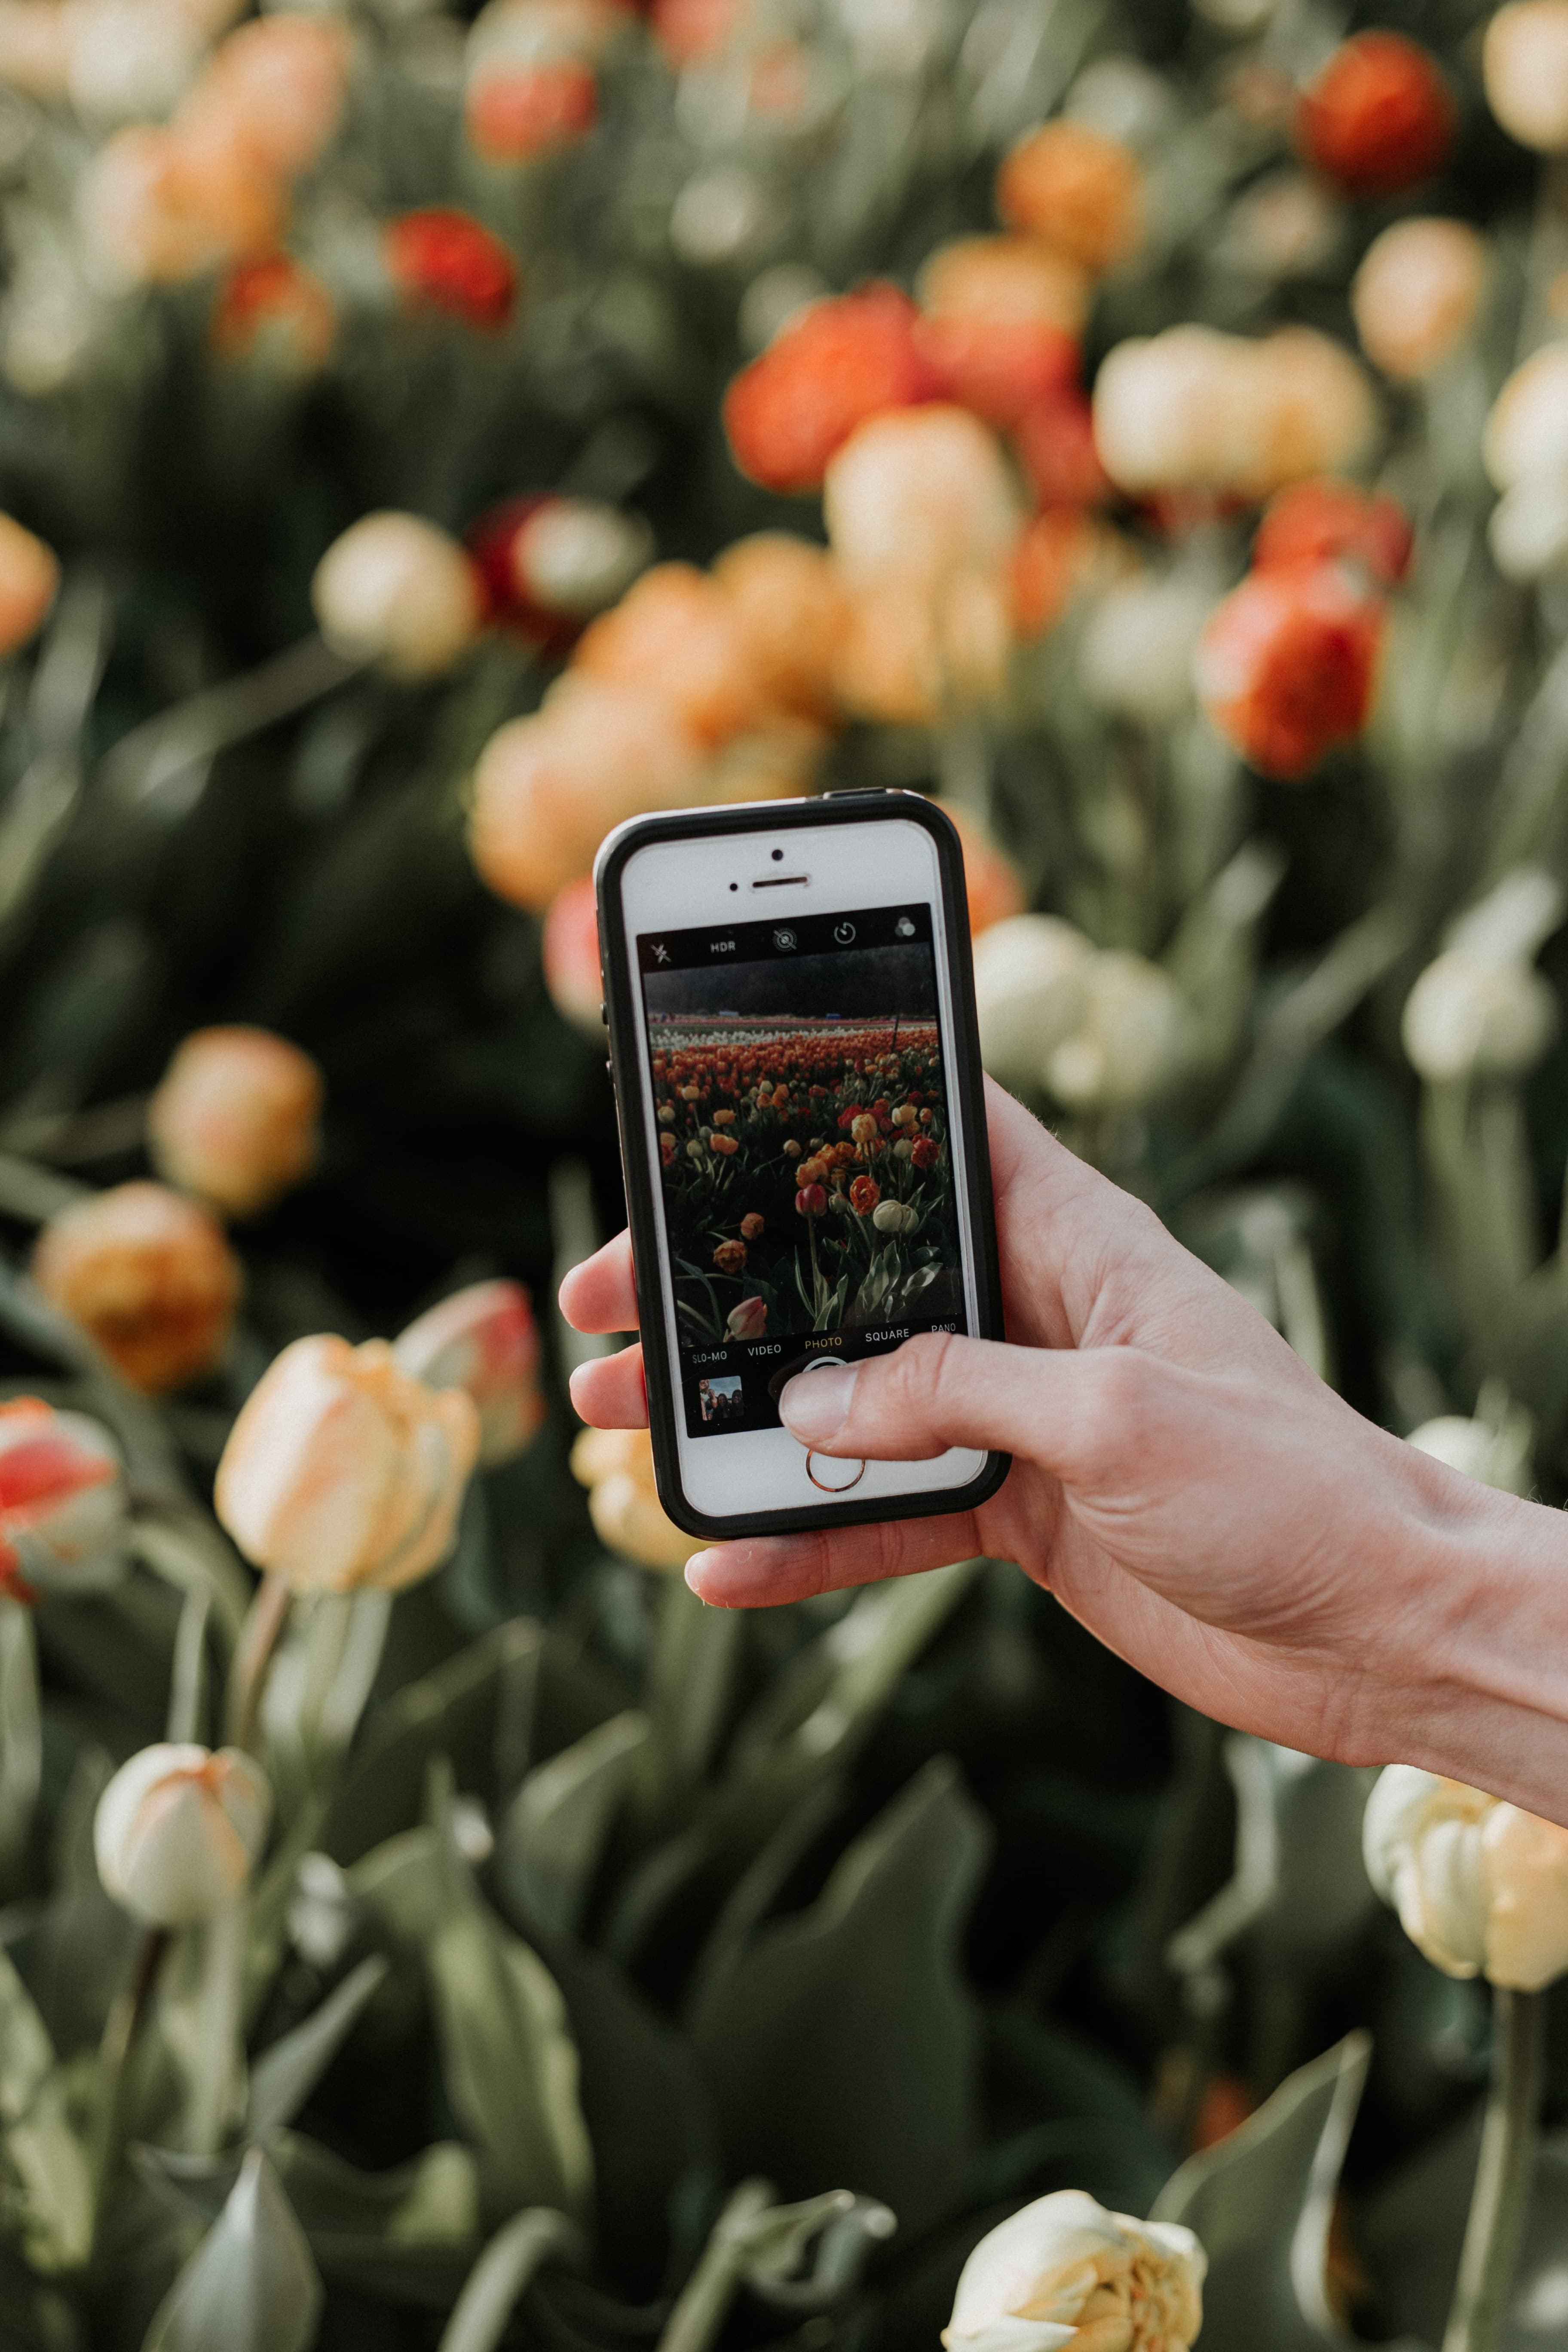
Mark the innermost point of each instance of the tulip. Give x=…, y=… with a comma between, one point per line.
x=1055, y=441
x=484, y=1340
x=1287, y=664
x=1194, y=409
x=724, y=1145
x=444, y=261
x=29, y=576
x=274, y=311
x=749, y=1320
x=864, y=1195
x=234, y=1118
x=751, y=1225
x=1129, y=1044
x=62, y=1501
x=916, y=651
x=1326, y=521
x=894, y=1216
x=274, y=91
x=729, y=1257
x=531, y=88
x=616, y=1468
x=1077, y=190
x=395, y=590
x=1481, y=1888
x=917, y=495
x=1064, y=2272
x=163, y=206
x=148, y=1275
x=1137, y=650
x=788, y=604
x=925, y=1152
x=343, y=1471
x=36, y=48
x=830, y=367
x=1052, y=561
x=1524, y=63
x=676, y=635
x=1418, y=293
x=1472, y=1016
x=1028, y=992
x=1498, y=1451
x=1002, y=317
x=1379, y=117
x=551, y=563
x=994, y=887
x=694, y=31
x=179, y=1829
x=811, y=1201
x=570, y=953
x=548, y=788
x=1526, y=438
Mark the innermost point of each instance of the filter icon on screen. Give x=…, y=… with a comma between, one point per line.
x=904, y=928
x=784, y=939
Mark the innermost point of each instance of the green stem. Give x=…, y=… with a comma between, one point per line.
x=705, y=2299
x=258, y=1638
x=223, y=1962
x=1500, y=2199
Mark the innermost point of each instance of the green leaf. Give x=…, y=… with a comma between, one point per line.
x=519, y=2250
x=49, y=2179
x=1261, y=2202
x=552, y=1833
x=510, y=2063
x=251, y=2285
x=841, y=2045
x=21, y=1736
x=283, y=2077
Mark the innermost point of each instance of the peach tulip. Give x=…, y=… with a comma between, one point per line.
x=1524, y=62
x=677, y=634
x=164, y=205
x=918, y=493
x=29, y=576
x=1417, y=294
x=395, y=590
x=484, y=1340
x=275, y=91
x=179, y=1829
x=616, y=1468
x=1077, y=190
x=148, y=1275
x=235, y=1119
x=1065, y=2273
x=1480, y=1886
x=788, y=604
x=62, y=1501
x=343, y=1471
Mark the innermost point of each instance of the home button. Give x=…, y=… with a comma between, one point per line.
x=833, y=1474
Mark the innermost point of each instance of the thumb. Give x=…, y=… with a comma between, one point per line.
x=1056, y=1406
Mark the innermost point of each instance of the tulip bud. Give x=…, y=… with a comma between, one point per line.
x=1379, y=118
x=148, y=1275
x=29, y=575
x=395, y=590
x=749, y=1320
x=894, y=1216
x=444, y=261
x=1287, y=664
x=1473, y=1017
x=1526, y=438
x=179, y=1829
x=548, y=788
x=1064, y=2273
x=1481, y=1888
x=676, y=635
x=616, y=1468
x=1524, y=62
x=1028, y=992
x=1077, y=190
x=1129, y=1042
x=830, y=367
x=234, y=1118
x=811, y=1201
x=1417, y=294
x=62, y=1501
x=342, y=1471
x=273, y=311
x=788, y=604
x=484, y=1340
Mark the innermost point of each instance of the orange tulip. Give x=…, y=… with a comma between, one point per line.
x=1077, y=189
x=234, y=1118
x=148, y=1275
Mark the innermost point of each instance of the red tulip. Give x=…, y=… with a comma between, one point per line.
x=926, y=1153
x=824, y=373
x=811, y=1201
x=441, y=259
x=1379, y=118
x=1285, y=666
x=1316, y=521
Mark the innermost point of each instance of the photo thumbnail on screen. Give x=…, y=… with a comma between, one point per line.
x=798, y=1086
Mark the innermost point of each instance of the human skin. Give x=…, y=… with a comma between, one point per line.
x=1185, y=1488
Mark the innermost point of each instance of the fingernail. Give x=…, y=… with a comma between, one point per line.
x=815, y=1405
x=694, y=1569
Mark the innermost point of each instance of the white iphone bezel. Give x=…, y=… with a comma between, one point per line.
x=685, y=884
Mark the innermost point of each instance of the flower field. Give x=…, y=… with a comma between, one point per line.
x=429, y=434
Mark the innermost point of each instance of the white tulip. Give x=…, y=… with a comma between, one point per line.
x=178, y=1831
x=1130, y=1044
x=1028, y=991
x=1528, y=532
x=1496, y=1452
x=1527, y=433
x=1467, y=1016
x=1136, y=657
x=1064, y=2271
x=1481, y=1888
x=395, y=590
x=1524, y=62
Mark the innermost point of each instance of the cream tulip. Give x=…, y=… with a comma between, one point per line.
x=343, y=1471
x=1028, y=992
x=1481, y=1888
x=1130, y=1042
x=1526, y=436
x=1473, y=1017
x=485, y=1341
x=616, y=1468
x=234, y=1118
x=1064, y=2272
x=179, y=1829
x=1417, y=294
x=918, y=494
x=1524, y=63
x=395, y=590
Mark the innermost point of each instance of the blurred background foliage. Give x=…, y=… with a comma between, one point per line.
x=588, y=1908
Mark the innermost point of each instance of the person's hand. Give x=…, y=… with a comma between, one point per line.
x=1181, y=1481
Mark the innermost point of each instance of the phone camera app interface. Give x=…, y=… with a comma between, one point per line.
x=803, y=1134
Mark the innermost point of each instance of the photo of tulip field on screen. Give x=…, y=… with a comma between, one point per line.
x=431, y=435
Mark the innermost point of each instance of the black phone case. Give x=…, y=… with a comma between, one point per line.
x=967, y=1104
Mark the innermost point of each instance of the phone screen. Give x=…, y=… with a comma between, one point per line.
x=798, y=1084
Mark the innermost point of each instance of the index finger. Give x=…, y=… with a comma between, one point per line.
x=764, y=1569
x=600, y=1294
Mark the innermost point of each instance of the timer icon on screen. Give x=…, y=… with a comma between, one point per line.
x=843, y=933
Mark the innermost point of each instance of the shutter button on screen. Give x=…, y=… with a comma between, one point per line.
x=832, y=1474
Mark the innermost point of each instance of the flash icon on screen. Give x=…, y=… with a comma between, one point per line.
x=904, y=928
x=661, y=953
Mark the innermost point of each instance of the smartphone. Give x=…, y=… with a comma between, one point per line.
x=792, y=1038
